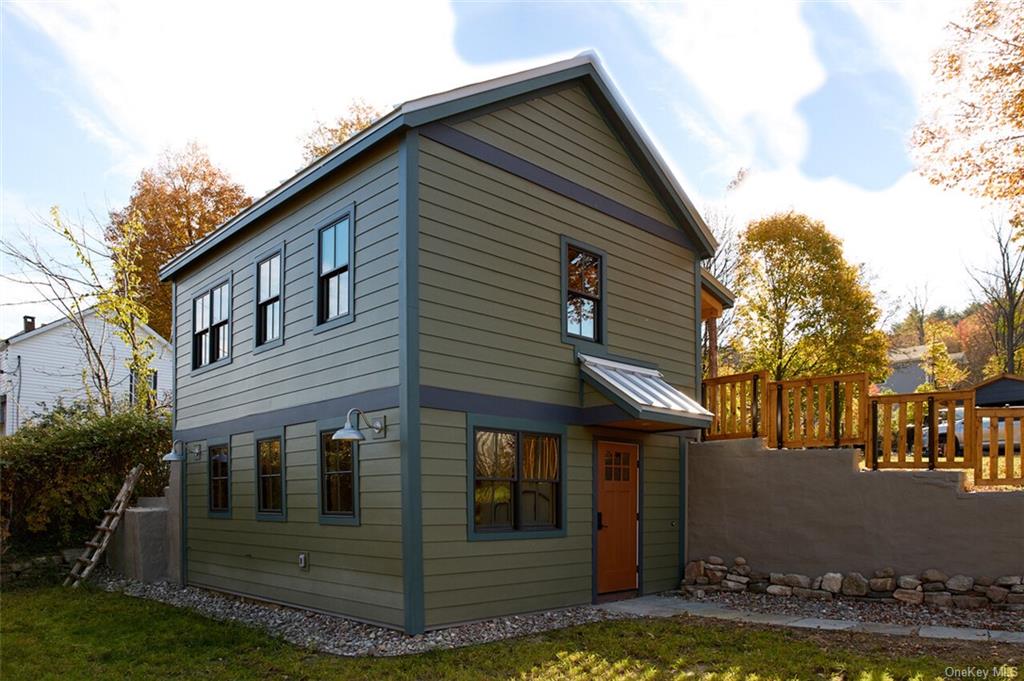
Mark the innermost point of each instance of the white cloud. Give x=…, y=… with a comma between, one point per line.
x=750, y=62
x=246, y=79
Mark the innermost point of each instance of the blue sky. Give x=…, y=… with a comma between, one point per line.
x=816, y=100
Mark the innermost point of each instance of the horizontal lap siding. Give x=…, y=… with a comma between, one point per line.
x=490, y=300
x=466, y=580
x=661, y=513
x=354, y=358
x=354, y=570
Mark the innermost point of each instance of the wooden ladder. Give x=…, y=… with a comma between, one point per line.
x=85, y=563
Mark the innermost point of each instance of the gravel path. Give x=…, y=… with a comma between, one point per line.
x=341, y=636
x=869, y=611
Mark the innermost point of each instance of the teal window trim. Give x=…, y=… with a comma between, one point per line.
x=583, y=345
x=320, y=326
x=223, y=361
x=331, y=425
x=263, y=256
x=483, y=421
x=271, y=434
x=210, y=443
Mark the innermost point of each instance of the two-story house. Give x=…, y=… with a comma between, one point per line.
x=506, y=278
x=41, y=366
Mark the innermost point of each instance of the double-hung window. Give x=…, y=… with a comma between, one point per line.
x=211, y=317
x=268, y=300
x=270, y=476
x=516, y=480
x=337, y=477
x=220, y=478
x=334, y=277
x=583, y=291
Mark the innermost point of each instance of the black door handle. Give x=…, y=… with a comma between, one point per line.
x=600, y=524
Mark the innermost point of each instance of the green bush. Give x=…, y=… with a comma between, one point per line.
x=60, y=471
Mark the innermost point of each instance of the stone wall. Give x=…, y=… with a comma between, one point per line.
x=813, y=512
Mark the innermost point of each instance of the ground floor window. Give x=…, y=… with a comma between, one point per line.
x=220, y=474
x=337, y=476
x=270, y=467
x=516, y=480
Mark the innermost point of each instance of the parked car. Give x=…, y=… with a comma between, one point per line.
x=958, y=433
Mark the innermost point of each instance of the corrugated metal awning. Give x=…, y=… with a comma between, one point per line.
x=642, y=392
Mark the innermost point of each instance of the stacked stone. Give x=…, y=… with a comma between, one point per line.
x=931, y=587
x=33, y=568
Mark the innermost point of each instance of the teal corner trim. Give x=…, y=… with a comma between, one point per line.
x=260, y=436
x=698, y=381
x=474, y=421
x=409, y=383
x=684, y=446
x=322, y=426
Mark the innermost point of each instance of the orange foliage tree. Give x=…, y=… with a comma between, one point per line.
x=973, y=137
x=325, y=136
x=178, y=202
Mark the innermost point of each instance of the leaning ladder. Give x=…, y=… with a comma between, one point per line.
x=85, y=563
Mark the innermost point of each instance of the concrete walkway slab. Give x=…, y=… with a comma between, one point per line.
x=667, y=606
x=955, y=633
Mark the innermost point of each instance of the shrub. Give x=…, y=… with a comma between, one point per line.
x=60, y=471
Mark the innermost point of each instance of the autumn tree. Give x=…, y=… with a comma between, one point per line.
x=973, y=137
x=941, y=371
x=327, y=135
x=999, y=290
x=180, y=200
x=806, y=310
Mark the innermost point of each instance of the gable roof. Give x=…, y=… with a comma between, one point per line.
x=418, y=112
x=999, y=378
x=57, y=323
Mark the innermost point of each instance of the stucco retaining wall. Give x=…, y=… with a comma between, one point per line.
x=815, y=511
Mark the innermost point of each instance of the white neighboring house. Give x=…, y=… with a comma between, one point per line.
x=44, y=364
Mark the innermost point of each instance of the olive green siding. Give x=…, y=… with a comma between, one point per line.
x=308, y=367
x=467, y=580
x=353, y=570
x=661, y=516
x=490, y=300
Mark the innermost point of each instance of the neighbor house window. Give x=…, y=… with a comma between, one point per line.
x=337, y=476
x=269, y=476
x=268, y=300
x=517, y=480
x=3, y=414
x=220, y=475
x=211, y=315
x=583, y=294
x=133, y=382
x=334, y=279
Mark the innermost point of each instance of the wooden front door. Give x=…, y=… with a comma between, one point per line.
x=617, y=516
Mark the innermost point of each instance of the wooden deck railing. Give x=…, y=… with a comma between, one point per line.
x=998, y=459
x=738, y=403
x=922, y=430
x=823, y=411
x=915, y=430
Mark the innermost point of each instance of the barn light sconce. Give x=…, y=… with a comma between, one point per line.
x=175, y=453
x=350, y=431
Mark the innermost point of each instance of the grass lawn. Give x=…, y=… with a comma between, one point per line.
x=55, y=633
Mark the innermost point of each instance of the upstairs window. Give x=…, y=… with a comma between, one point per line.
x=583, y=277
x=334, y=280
x=211, y=316
x=516, y=481
x=268, y=300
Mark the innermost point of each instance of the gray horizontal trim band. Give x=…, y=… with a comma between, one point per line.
x=499, y=158
x=371, y=400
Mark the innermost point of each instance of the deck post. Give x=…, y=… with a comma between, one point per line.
x=835, y=413
x=780, y=419
x=874, y=435
x=755, y=407
x=933, y=434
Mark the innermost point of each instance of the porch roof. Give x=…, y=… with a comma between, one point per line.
x=642, y=393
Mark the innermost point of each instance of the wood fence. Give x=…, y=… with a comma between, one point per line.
x=936, y=430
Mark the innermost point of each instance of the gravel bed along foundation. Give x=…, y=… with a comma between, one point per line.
x=864, y=610
x=341, y=636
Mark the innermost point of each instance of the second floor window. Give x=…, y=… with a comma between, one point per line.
x=268, y=300
x=211, y=314
x=333, y=276
x=583, y=294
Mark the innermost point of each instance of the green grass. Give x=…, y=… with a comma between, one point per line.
x=56, y=633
